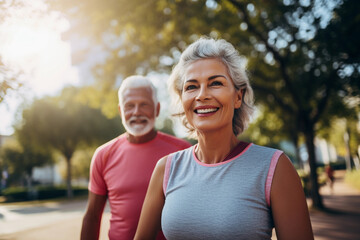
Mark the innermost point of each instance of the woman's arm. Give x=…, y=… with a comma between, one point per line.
x=150, y=218
x=288, y=203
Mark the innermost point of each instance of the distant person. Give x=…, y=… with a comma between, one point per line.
x=330, y=177
x=221, y=188
x=121, y=169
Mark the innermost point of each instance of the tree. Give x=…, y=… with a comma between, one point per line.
x=270, y=128
x=9, y=76
x=19, y=160
x=63, y=124
x=301, y=62
x=9, y=80
x=294, y=68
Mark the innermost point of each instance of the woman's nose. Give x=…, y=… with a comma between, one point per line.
x=202, y=94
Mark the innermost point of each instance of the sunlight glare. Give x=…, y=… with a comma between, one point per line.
x=32, y=43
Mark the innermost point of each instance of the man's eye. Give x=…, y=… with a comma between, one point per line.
x=145, y=105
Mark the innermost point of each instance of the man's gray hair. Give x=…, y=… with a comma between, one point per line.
x=137, y=81
x=207, y=48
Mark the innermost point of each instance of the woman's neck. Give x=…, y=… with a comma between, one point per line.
x=213, y=147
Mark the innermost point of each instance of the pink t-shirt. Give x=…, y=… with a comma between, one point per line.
x=122, y=171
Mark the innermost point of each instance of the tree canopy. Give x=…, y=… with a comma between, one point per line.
x=303, y=56
x=64, y=124
x=9, y=80
x=19, y=160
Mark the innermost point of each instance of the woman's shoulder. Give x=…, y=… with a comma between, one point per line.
x=175, y=155
x=263, y=149
x=182, y=152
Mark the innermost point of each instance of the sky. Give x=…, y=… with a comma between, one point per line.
x=31, y=41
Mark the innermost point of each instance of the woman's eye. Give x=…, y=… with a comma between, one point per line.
x=216, y=83
x=190, y=87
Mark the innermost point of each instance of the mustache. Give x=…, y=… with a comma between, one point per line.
x=141, y=118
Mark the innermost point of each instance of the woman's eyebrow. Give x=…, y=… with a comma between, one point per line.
x=209, y=78
x=216, y=76
x=190, y=80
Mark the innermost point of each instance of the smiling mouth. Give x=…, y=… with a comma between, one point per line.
x=138, y=122
x=206, y=110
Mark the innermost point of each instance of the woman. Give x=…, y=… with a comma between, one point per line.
x=221, y=188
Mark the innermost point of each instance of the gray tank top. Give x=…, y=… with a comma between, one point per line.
x=227, y=200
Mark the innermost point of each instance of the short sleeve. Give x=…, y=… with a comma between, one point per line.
x=97, y=183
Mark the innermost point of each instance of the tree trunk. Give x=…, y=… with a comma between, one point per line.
x=348, y=151
x=68, y=178
x=315, y=196
x=297, y=151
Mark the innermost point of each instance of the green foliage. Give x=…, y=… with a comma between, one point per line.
x=336, y=132
x=64, y=124
x=99, y=98
x=81, y=163
x=353, y=178
x=9, y=80
x=267, y=129
x=301, y=64
x=16, y=194
x=10, y=76
x=19, y=160
x=306, y=183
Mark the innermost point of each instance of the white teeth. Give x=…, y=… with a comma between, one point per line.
x=206, y=110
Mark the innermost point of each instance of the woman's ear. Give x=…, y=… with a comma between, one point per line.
x=239, y=97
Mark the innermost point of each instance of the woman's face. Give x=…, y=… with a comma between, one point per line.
x=209, y=96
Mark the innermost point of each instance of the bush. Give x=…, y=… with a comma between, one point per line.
x=305, y=180
x=16, y=194
x=353, y=178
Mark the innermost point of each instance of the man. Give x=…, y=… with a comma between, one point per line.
x=120, y=170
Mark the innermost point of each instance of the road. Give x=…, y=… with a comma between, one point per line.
x=62, y=219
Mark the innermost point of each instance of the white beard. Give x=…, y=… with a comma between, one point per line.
x=138, y=129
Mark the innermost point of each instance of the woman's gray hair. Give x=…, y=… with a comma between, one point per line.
x=207, y=48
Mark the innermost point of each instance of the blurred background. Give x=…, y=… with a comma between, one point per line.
x=62, y=61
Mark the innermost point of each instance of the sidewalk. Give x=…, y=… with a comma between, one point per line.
x=56, y=220
x=342, y=220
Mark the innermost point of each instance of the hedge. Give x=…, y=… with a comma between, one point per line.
x=16, y=194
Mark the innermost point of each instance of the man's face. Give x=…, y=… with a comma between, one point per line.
x=138, y=111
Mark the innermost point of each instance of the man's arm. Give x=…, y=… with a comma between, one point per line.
x=91, y=223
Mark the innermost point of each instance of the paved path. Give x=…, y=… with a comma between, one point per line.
x=46, y=220
x=342, y=220
x=62, y=220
